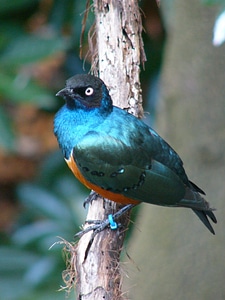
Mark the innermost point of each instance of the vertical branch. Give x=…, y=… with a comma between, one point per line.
x=120, y=51
x=117, y=61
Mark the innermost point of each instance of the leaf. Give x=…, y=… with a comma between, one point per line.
x=40, y=270
x=13, y=288
x=17, y=272
x=29, y=48
x=35, y=231
x=12, y=259
x=43, y=201
x=6, y=132
x=23, y=90
x=15, y=5
x=9, y=31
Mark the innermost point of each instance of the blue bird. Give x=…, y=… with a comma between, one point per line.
x=117, y=155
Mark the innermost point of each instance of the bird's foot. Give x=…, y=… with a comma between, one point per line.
x=92, y=196
x=99, y=225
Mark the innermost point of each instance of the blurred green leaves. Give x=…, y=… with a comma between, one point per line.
x=41, y=200
x=32, y=33
x=13, y=6
x=17, y=59
x=51, y=209
x=14, y=262
x=6, y=132
x=31, y=48
x=20, y=89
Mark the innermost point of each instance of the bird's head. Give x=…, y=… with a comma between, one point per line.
x=86, y=92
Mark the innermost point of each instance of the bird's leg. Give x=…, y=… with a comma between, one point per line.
x=101, y=225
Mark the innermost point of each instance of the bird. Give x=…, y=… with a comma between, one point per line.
x=118, y=156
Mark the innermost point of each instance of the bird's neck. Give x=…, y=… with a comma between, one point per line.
x=70, y=125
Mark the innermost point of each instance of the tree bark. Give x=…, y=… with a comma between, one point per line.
x=178, y=258
x=116, y=59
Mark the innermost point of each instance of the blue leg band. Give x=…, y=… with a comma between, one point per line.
x=112, y=223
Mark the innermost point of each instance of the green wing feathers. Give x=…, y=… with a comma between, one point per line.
x=130, y=172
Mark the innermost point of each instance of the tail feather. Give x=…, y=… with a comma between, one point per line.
x=203, y=217
x=200, y=206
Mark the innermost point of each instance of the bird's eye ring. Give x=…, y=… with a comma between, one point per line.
x=89, y=91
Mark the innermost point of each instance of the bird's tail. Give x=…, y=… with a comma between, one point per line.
x=203, y=217
x=199, y=205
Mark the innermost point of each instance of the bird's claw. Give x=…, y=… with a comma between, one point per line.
x=93, y=222
x=101, y=225
x=92, y=196
x=97, y=227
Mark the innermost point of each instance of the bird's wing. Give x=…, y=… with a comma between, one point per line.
x=131, y=171
x=165, y=154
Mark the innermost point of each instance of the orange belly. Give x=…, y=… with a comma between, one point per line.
x=106, y=194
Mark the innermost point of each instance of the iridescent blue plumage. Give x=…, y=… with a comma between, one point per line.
x=118, y=155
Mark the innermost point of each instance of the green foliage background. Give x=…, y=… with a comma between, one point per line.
x=28, y=268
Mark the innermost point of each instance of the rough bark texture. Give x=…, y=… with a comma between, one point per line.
x=178, y=258
x=117, y=62
x=98, y=276
x=120, y=51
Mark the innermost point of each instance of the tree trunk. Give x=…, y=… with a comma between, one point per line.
x=178, y=258
x=119, y=51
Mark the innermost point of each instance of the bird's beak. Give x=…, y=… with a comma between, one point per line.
x=62, y=92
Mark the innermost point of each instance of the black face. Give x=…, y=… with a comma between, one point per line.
x=83, y=90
